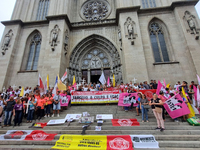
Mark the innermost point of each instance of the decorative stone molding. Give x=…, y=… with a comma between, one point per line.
x=191, y=24
x=54, y=37
x=130, y=30
x=95, y=10
x=66, y=42
x=120, y=38
x=6, y=41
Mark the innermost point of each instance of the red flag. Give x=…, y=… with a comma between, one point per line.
x=39, y=135
x=125, y=122
x=41, y=85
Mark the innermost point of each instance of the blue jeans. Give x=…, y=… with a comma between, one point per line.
x=48, y=108
x=30, y=115
x=18, y=115
x=126, y=107
x=7, y=120
x=144, y=112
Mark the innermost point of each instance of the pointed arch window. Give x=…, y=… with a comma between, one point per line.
x=148, y=3
x=158, y=43
x=34, y=52
x=42, y=9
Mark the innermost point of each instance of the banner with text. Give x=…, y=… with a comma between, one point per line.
x=176, y=107
x=95, y=97
x=126, y=99
x=65, y=99
x=94, y=142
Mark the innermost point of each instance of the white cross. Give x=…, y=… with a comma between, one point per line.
x=65, y=82
x=27, y=105
x=14, y=86
x=83, y=81
x=77, y=86
x=111, y=79
x=4, y=89
x=134, y=80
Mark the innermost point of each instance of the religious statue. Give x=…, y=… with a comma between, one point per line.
x=6, y=41
x=54, y=37
x=130, y=30
x=191, y=24
x=66, y=41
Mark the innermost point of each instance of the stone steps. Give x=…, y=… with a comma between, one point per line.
x=177, y=136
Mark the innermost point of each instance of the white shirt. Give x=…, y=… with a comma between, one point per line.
x=85, y=89
x=92, y=89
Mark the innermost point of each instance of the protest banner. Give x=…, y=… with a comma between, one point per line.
x=125, y=122
x=65, y=99
x=176, y=107
x=91, y=142
x=15, y=135
x=95, y=97
x=144, y=141
x=79, y=142
x=148, y=93
x=119, y=142
x=73, y=116
x=125, y=99
x=39, y=135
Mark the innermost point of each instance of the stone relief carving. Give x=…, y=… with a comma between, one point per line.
x=95, y=63
x=54, y=37
x=120, y=38
x=95, y=10
x=130, y=30
x=66, y=42
x=6, y=41
x=191, y=24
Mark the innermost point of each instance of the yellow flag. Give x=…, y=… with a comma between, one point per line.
x=22, y=92
x=74, y=80
x=168, y=85
x=113, y=80
x=60, y=85
x=47, y=81
x=192, y=113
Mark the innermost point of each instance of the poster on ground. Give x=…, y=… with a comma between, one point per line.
x=104, y=116
x=56, y=122
x=144, y=141
x=95, y=97
x=73, y=116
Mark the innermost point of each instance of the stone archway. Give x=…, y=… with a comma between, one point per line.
x=94, y=54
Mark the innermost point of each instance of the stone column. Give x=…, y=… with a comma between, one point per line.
x=88, y=76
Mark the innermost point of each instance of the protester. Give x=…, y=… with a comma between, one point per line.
x=17, y=112
x=8, y=111
x=1, y=108
x=49, y=100
x=144, y=103
x=31, y=109
x=156, y=105
x=163, y=99
x=138, y=106
x=56, y=103
x=40, y=107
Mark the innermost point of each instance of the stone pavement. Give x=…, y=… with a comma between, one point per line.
x=177, y=136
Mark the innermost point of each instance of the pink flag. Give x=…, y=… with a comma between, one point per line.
x=198, y=94
x=198, y=79
x=162, y=88
x=176, y=107
x=73, y=86
x=108, y=82
x=195, y=92
x=159, y=87
x=125, y=99
x=164, y=82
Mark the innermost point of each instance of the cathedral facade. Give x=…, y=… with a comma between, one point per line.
x=142, y=39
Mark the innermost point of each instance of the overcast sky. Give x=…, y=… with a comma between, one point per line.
x=6, y=8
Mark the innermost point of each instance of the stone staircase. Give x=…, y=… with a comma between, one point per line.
x=177, y=136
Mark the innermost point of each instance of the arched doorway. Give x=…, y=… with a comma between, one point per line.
x=93, y=55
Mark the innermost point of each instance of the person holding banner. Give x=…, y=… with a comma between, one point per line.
x=156, y=105
x=138, y=107
x=163, y=99
x=144, y=103
x=31, y=109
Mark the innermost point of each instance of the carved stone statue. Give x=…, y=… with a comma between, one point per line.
x=130, y=30
x=95, y=63
x=6, y=41
x=54, y=37
x=191, y=24
x=66, y=41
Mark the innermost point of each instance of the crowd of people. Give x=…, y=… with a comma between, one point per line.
x=35, y=105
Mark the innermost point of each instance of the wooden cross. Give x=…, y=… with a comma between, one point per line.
x=134, y=80
x=27, y=105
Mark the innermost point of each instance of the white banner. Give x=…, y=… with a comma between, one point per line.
x=144, y=141
x=104, y=116
x=73, y=116
x=55, y=122
x=16, y=135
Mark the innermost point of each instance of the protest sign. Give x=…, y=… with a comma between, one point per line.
x=65, y=99
x=95, y=97
x=144, y=141
x=176, y=107
x=104, y=116
x=125, y=99
x=86, y=120
x=56, y=122
x=73, y=116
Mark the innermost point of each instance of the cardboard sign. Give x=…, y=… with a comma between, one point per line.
x=104, y=116
x=73, y=116
x=56, y=122
x=144, y=141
